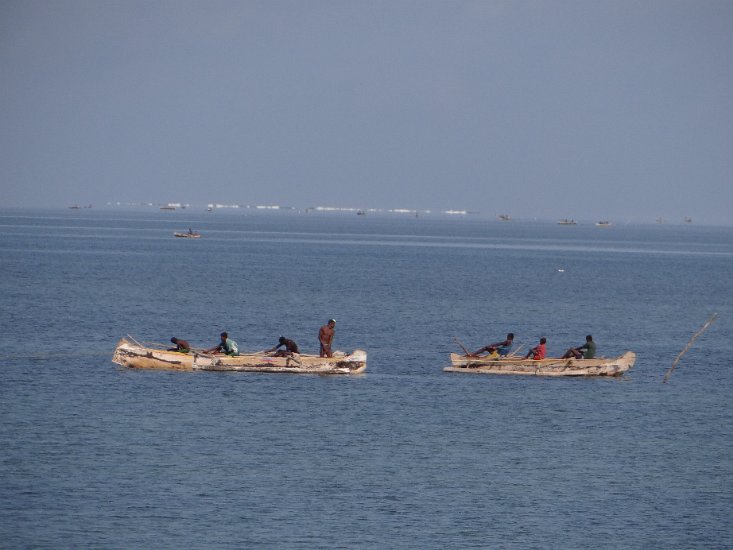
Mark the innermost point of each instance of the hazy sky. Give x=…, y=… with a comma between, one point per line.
x=586, y=109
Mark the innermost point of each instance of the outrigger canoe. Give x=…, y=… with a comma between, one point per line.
x=600, y=366
x=134, y=355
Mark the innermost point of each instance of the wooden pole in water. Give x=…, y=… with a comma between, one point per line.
x=709, y=322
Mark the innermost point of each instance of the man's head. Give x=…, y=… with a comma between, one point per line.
x=282, y=339
x=543, y=340
x=589, y=338
x=510, y=336
x=224, y=336
x=332, y=323
x=174, y=340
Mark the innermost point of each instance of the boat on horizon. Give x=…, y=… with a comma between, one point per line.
x=188, y=235
x=599, y=366
x=566, y=221
x=132, y=354
x=603, y=224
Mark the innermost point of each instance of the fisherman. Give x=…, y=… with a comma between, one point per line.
x=290, y=348
x=501, y=349
x=538, y=352
x=226, y=346
x=325, y=338
x=181, y=345
x=586, y=351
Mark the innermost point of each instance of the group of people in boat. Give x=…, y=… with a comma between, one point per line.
x=503, y=348
x=227, y=346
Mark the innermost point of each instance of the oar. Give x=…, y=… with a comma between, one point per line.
x=516, y=351
x=468, y=353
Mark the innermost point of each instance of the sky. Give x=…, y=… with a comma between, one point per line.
x=604, y=110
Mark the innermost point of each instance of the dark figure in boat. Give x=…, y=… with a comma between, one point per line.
x=539, y=351
x=290, y=348
x=226, y=346
x=499, y=349
x=325, y=338
x=181, y=345
x=586, y=351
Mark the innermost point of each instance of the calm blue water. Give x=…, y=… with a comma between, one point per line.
x=405, y=456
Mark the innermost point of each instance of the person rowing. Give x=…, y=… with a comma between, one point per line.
x=226, y=346
x=499, y=349
x=290, y=348
x=181, y=345
x=539, y=351
x=586, y=351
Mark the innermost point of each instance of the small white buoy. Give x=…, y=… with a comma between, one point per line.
x=561, y=270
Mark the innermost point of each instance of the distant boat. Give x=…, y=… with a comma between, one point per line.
x=688, y=220
x=360, y=213
x=504, y=217
x=566, y=221
x=603, y=224
x=189, y=234
x=75, y=207
x=167, y=207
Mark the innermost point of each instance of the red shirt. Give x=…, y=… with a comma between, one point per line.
x=539, y=351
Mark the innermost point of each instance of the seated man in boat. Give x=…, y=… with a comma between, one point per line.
x=499, y=349
x=325, y=338
x=226, y=346
x=538, y=352
x=586, y=351
x=290, y=348
x=181, y=345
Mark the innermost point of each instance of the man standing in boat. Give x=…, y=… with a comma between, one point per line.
x=538, y=352
x=586, y=351
x=502, y=348
x=325, y=338
x=226, y=346
x=290, y=348
x=181, y=345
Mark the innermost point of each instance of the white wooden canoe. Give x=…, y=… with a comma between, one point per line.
x=134, y=355
x=600, y=366
x=193, y=235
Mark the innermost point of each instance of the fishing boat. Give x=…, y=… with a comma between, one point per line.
x=599, y=366
x=130, y=353
x=190, y=234
x=566, y=221
x=604, y=223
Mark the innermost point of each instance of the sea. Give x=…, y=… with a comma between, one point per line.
x=94, y=455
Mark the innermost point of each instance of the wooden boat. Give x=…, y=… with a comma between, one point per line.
x=600, y=366
x=189, y=235
x=566, y=221
x=130, y=353
x=603, y=224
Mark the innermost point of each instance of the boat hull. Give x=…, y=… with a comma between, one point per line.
x=132, y=355
x=601, y=366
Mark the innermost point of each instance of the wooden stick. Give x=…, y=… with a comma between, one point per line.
x=516, y=351
x=689, y=344
x=468, y=353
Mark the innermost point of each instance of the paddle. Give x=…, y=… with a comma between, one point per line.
x=468, y=353
x=516, y=351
